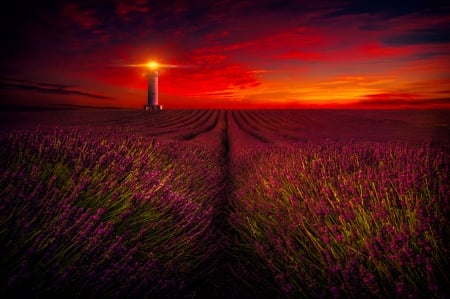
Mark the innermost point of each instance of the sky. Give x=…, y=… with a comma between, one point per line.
x=228, y=54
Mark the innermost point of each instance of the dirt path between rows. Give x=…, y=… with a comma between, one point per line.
x=222, y=283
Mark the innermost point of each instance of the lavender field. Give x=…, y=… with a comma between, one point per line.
x=224, y=204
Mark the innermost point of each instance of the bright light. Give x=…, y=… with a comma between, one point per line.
x=153, y=65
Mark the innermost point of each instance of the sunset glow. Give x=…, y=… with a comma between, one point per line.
x=251, y=54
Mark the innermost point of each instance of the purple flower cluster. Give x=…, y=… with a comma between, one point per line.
x=103, y=214
x=107, y=210
x=335, y=219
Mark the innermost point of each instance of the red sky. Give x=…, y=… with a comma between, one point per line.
x=232, y=54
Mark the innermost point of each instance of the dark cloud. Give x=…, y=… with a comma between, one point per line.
x=402, y=99
x=126, y=7
x=87, y=19
x=372, y=26
x=56, y=86
x=390, y=9
x=419, y=36
x=428, y=55
x=49, y=88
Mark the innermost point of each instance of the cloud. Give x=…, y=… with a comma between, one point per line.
x=402, y=99
x=417, y=37
x=416, y=28
x=374, y=49
x=392, y=96
x=125, y=7
x=387, y=9
x=55, y=86
x=224, y=78
x=49, y=88
x=301, y=55
x=84, y=18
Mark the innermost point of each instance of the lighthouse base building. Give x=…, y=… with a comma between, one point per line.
x=153, y=107
x=153, y=91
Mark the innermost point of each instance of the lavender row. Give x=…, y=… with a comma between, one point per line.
x=336, y=220
x=104, y=214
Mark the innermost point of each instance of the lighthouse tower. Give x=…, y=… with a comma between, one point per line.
x=152, y=76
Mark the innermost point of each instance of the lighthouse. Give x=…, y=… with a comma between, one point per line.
x=152, y=76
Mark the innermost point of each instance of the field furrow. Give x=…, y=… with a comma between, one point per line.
x=190, y=128
x=242, y=123
x=173, y=120
x=197, y=117
x=281, y=119
x=239, y=138
x=224, y=204
x=179, y=125
x=211, y=129
x=203, y=124
x=273, y=131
